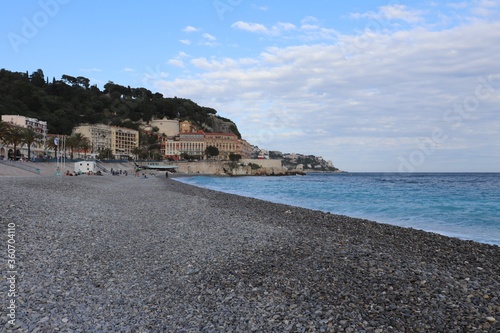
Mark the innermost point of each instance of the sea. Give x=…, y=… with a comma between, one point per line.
x=461, y=205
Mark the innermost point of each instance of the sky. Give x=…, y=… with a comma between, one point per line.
x=376, y=86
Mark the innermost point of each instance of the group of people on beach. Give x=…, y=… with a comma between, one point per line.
x=79, y=173
x=143, y=174
x=118, y=172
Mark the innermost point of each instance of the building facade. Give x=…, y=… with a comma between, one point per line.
x=38, y=126
x=123, y=141
x=120, y=140
x=187, y=127
x=99, y=136
x=244, y=149
x=168, y=127
x=226, y=143
x=191, y=145
x=194, y=144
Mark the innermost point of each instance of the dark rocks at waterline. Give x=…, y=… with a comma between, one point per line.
x=126, y=254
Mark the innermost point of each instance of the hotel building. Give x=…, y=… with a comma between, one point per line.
x=38, y=126
x=226, y=143
x=120, y=140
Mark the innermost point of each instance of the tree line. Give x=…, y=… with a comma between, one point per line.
x=17, y=136
x=70, y=101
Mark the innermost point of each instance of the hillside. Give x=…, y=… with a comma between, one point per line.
x=71, y=101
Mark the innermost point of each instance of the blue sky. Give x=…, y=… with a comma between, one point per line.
x=370, y=85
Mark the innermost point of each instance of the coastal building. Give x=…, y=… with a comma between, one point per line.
x=190, y=145
x=193, y=144
x=167, y=127
x=244, y=149
x=99, y=136
x=120, y=140
x=38, y=126
x=123, y=141
x=187, y=141
x=187, y=127
x=226, y=143
x=170, y=149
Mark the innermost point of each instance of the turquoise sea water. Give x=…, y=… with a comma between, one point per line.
x=463, y=205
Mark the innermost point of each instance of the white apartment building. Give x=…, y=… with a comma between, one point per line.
x=39, y=126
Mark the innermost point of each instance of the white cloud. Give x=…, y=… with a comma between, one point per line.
x=275, y=30
x=378, y=93
x=283, y=26
x=484, y=8
x=251, y=27
x=309, y=30
x=176, y=63
x=309, y=20
x=209, y=37
x=391, y=13
x=128, y=69
x=185, y=41
x=190, y=29
x=457, y=5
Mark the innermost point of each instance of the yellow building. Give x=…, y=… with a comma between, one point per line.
x=123, y=141
x=120, y=140
x=187, y=127
x=244, y=149
x=226, y=143
x=190, y=144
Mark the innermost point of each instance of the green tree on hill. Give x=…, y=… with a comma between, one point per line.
x=71, y=101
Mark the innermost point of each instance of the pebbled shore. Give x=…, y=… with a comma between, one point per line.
x=126, y=254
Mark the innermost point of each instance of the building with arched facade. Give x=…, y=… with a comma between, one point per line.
x=38, y=126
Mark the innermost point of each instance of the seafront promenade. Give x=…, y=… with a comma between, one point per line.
x=30, y=169
x=132, y=254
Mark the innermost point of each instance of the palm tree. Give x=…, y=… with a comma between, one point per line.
x=71, y=142
x=4, y=129
x=75, y=141
x=85, y=146
x=14, y=136
x=136, y=151
x=29, y=137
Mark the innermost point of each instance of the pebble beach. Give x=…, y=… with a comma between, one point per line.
x=132, y=254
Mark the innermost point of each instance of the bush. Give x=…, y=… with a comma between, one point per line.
x=254, y=166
